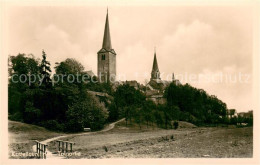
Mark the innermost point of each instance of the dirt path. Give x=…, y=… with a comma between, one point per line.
x=56, y=156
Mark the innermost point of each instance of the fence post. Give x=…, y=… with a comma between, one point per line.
x=62, y=146
x=41, y=149
x=37, y=148
x=66, y=147
x=59, y=144
x=44, y=149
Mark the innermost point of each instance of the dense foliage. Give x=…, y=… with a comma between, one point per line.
x=184, y=103
x=59, y=102
x=195, y=105
x=56, y=105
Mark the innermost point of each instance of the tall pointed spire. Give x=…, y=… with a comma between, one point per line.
x=155, y=71
x=106, y=39
x=155, y=65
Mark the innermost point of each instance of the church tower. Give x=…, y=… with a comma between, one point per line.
x=106, y=58
x=155, y=75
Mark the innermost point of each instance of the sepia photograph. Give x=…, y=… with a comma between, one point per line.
x=112, y=80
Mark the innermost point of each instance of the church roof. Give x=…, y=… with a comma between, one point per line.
x=106, y=39
x=155, y=65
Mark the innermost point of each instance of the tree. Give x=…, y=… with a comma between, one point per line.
x=21, y=68
x=65, y=105
x=138, y=116
x=126, y=98
x=69, y=66
x=166, y=114
x=194, y=105
x=113, y=112
x=158, y=118
x=86, y=112
x=45, y=71
x=32, y=114
x=70, y=73
x=148, y=108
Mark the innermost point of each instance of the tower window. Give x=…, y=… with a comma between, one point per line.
x=103, y=57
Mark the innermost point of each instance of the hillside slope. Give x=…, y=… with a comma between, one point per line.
x=21, y=136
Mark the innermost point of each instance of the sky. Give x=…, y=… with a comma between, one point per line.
x=209, y=47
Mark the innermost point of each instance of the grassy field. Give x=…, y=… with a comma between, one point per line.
x=131, y=142
x=152, y=142
x=22, y=136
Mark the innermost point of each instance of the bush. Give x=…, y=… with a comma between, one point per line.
x=52, y=125
x=31, y=114
x=176, y=124
x=18, y=116
x=86, y=112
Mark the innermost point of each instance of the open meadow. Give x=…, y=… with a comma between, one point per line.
x=189, y=142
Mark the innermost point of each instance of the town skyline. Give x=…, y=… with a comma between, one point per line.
x=210, y=46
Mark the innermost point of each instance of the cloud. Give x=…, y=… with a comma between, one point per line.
x=212, y=57
x=228, y=83
x=198, y=45
x=134, y=62
x=187, y=46
x=57, y=45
